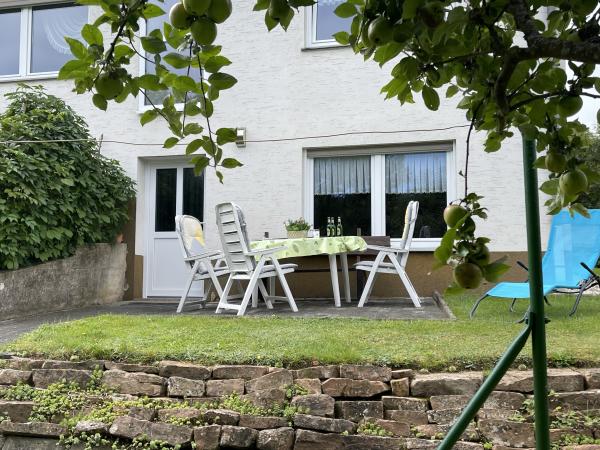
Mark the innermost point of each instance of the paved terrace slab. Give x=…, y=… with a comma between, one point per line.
x=389, y=309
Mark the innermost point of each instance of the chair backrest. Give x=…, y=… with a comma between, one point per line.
x=572, y=240
x=410, y=217
x=234, y=237
x=190, y=236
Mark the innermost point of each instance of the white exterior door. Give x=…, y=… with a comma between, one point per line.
x=173, y=189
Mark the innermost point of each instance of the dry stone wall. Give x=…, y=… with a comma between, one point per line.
x=183, y=405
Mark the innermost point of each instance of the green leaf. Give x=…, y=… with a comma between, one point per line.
x=185, y=83
x=153, y=45
x=342, y=37
x=226, y=135
x=148, y=116
x=409, y=8
x=222, y=80
x=261, y=5
x=200, y=163
x=78, y=49
x=193, y=146
x=387, y=52
x=67, y=181
x=170, y=142
x=550, y=187
x=192, y=128
x=215, y=63
x=451, y=91
x=494, y=271
x=92, y=34
x=151, y=10
x=72, y=69
x=269, y=22
x=345, y=10
x=444, y=250
x=151, y=82
x=231, y=163
x=100, y=102
x=431, y=98
x=176, y=60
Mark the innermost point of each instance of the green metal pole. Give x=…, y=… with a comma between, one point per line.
x=537, y=317
x=485, y=390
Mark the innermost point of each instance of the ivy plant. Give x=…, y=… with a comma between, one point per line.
x=57, y=194
x=505, y=60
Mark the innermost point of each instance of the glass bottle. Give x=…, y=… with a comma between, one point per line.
x=328, y=227
x=339, y=231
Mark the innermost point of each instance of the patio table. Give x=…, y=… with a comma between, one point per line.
x=330, y=246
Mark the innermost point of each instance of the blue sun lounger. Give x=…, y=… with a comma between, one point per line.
x=573, y=249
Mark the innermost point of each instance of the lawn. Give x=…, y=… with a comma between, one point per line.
x=462, y=343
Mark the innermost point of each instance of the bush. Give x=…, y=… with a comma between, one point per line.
x=54, y=196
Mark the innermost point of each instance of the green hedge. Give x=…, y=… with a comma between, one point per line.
x=54, y=196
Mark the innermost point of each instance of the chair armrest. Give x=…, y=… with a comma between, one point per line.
x=265, y=251
x=213, y=254
x=381, y=248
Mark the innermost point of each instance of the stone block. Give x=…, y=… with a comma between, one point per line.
x=278, y=439
x=409, y=417
x=24, y=443
x=226, y=372
x=443, y=416
x=321, y=372
x=358, y=410
x=179, y=413
x=402, y=373
x=559, y=380
x=221, y=416
x=275, y=380
x=262, y=422
x=365, y=372
x=405, y=403
x=42, y=378
x=397, y=429
x=266, y=398
x=510, y=434
x=592, y=378
x=91, y=364
x=134, y=383
x=425, y=444
x=323, y=424
x=238, y=437
x=400, y=387
x=32, y=429
x=222, y=388
x=312, y=385
x=345, y=387
x=465, y=383
x=184, y=370
x=583, y=400
x=436, y=431
x=17, y=411
x=185, y=387
x=316, y=404
x=91, y=427
x=110, y=365
x=14, y=376
x=131, y=428
x=207, y=437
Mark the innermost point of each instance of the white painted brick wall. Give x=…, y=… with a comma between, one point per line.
x=286, y=91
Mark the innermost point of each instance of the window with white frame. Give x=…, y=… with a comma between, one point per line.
x=322, y=23
x=370, y=191
x=32, y=39
x=156, y=97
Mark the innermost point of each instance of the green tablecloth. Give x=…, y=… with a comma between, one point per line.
x=312, y=246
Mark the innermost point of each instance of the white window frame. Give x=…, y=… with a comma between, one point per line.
x=310, y=31
x=25, y=39
x=377, y=155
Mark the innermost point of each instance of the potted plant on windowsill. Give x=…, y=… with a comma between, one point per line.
x=297, y=228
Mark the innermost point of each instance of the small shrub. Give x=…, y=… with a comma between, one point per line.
x=372, y=429
x=56, y=196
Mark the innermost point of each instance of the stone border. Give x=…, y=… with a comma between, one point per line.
x=334, y=406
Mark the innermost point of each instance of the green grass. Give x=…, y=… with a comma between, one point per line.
x=462, y=343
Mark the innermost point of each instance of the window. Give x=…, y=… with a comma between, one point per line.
x=156, y=97
x=370, y=191
x=33, y=41
x=322, y=23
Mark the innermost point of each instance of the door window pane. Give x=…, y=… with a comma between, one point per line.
x=420, y=177
x=328, y=23
x=193, y=194
x=342, y=188
x=10, y=31
x=166, y=199
x=50, y=25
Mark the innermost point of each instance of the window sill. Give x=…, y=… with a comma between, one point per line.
x=32, y=77
x=326, y=45
x=421, y=245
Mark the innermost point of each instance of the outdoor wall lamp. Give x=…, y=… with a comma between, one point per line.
x=240, y=139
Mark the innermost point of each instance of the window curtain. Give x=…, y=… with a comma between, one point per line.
x=344, y=175
x=415, y=173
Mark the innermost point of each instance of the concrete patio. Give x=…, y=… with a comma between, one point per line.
x=379, y=309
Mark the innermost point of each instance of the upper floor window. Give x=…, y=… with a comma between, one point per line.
x=32, y=39
x=322, y=23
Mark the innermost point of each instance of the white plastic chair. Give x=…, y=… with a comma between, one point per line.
x=248, y=265
x=398, y=256
x=204, y=265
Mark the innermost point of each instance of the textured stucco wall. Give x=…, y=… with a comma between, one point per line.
x=285, y=91
x=95, y=275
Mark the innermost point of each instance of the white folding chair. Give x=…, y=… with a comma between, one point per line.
x=248, y=265
x=397, y=256
x=204, y=265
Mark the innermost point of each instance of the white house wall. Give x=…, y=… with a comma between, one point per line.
x=287, y=91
